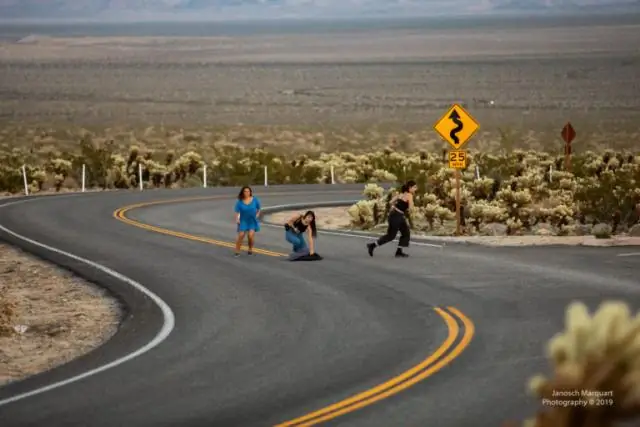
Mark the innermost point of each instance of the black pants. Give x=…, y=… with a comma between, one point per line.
x=397, y=222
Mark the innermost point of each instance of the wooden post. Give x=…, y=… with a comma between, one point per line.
x=568, y=135
x=458, y=231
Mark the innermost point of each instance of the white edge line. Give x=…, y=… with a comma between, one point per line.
x=167, y=326
x=336, y=233
x=630, y=254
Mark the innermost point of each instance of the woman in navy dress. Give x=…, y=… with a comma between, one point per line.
x=247, y=212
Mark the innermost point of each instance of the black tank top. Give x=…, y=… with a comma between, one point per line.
x=299, y=225
x=402, y=205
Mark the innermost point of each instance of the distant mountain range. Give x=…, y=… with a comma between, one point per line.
x=167, y=9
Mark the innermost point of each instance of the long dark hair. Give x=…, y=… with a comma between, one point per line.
x=312, y=224
x=241, y=194
x=405, y=188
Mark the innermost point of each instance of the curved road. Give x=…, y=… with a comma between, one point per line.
x=260, y=341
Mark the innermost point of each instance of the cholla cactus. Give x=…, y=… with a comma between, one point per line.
x=486, y=212
x=430, y=212
x=561, y=215
x=596, y=366
x=427, y=199
x=444, y=214
x=381, y=175
x=481, y=189
x=514, y=226
x=362, y=214
x=373, y=191
x=515, y=201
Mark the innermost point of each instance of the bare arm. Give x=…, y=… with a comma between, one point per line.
x=311, y=248
x=410, y=200
x=237, y=211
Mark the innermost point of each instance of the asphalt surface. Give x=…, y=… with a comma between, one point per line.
x=260, y=340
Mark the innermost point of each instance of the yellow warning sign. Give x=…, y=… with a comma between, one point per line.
x=456, y=126
x=458, y=159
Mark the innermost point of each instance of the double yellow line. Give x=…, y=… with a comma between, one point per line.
x=456, y=342
x=120, y=214
x=443, y=355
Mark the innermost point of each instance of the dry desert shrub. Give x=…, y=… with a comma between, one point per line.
x=596, y=370
x=7, y=308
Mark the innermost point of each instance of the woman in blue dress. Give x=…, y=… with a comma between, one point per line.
x=247, y=212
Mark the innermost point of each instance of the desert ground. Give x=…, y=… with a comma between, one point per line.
x=521, y=84
x=47, y=315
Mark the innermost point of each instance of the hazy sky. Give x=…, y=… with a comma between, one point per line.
x=205, y=9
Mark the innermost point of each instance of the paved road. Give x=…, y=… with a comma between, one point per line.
x=259, y=340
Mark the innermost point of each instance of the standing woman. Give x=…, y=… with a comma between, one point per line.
x=295, y=229
x=400, y=204
x=247, y=212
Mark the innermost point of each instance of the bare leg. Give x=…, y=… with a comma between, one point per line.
x=251, y=238
x=239, y=241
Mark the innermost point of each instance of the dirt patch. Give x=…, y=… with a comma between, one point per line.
x=337, y=218
x=327, y=218
x=48, y=316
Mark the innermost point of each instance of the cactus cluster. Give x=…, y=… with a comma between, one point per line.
x=527, y=192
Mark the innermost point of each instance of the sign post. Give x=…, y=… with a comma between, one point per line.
x=456, y=127
x=568, y=135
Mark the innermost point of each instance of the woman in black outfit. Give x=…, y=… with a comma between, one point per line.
x=296, y=227
x=400, y=204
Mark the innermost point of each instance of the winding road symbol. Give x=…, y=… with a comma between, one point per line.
x=456, y=126
x=455, y=118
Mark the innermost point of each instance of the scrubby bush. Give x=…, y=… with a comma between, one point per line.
x=6, y=314
x=601, y=231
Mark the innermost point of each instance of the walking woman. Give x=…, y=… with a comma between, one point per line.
x=247, y=213
x=295, y=229
x=400, y=204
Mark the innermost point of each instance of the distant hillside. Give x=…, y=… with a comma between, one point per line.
x=95, y=9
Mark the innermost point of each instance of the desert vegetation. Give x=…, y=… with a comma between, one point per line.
x=598, y=354
x=505, y=191
x=521, y=192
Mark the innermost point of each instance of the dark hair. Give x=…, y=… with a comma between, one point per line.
x=407, y=186
x=241, y=194
x=312, y=224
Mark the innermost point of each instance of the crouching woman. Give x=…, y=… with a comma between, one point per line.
x=296, y=227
